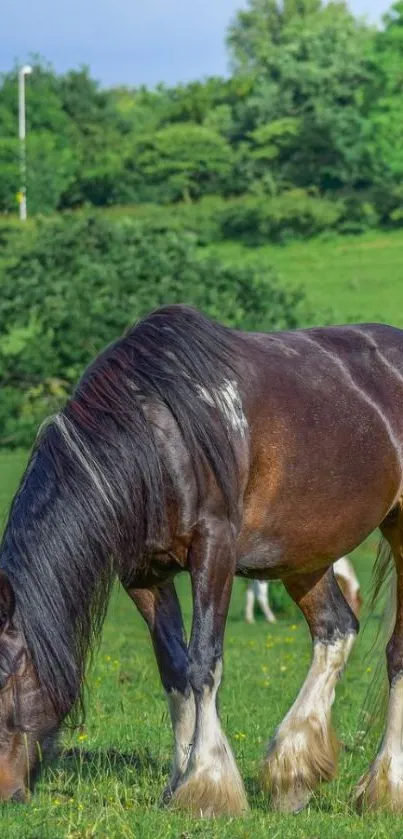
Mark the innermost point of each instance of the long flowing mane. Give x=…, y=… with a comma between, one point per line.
x=92, y=497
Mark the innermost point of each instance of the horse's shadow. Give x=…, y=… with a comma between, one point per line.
x=91, y=764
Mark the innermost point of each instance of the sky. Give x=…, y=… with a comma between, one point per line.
x=129, y=42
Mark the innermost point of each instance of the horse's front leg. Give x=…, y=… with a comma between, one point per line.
x=304, y=750
x=211, y=785
x=161, y=610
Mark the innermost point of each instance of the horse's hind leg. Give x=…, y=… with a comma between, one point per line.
x=161, y=610
x=382, y=785
x=304, y=750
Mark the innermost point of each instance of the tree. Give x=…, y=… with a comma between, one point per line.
x=179, y=162
x=50, y=171
x=9, y=173
x=311, y=65
x=257, y=30
x=386, y=111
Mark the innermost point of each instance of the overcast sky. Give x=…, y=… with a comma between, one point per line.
x=129, y=41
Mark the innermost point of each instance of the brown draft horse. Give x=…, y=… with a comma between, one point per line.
x=187, y=446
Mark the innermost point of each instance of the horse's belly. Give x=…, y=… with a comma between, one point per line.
x=305, y=511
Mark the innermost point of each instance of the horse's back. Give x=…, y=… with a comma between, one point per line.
x=369, y=354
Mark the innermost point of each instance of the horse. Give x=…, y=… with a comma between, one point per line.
x=258, y=590
x=345, y=576
x=190, y=446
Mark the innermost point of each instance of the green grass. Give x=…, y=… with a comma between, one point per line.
x=108, y=784
x=345, y=278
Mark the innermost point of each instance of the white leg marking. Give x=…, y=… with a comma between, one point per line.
x=263, y=600
x=209, y=736
x=250, y=602
x=392, y=745
x=348, y=583
x=303, y=750
x=344, y=570
x=258, y=590
x=318, y=691
x=212, y=784
x=382, y=785
x=183, y=718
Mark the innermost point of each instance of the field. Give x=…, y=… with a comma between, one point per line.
x=110, y=774
x=345, y=278
x=108, y=780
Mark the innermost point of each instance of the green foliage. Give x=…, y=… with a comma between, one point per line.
x=294, y=214
x=50, y=171
x=310, y=67
x=79, y=281
x=179, y=162
x=9, y=173
x=259, y=28
x=202, y=218
x=314, y=103
x=258, y=219
x=303, y=139
x=359, y=213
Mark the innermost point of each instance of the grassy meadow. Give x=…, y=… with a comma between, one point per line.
x=349, y=278
x=110, y=775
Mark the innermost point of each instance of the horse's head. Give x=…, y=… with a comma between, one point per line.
x=27, y=719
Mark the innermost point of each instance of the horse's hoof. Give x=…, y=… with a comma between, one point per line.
x=293, y=801
x=301, y=755
x=206, y=796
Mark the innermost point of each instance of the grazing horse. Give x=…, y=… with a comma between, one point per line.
x=345, y=576
x=189, y=446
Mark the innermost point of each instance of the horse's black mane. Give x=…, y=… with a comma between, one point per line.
x=92, y=496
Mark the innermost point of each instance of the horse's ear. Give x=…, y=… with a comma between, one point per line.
x=7, y=601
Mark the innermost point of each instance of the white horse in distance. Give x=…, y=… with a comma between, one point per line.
x=258, y=590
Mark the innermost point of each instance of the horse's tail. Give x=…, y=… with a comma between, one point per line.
x=381, y=605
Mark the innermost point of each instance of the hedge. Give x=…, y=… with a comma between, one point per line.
x=79, y=281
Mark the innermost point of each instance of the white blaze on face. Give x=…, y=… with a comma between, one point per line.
x=228, y=400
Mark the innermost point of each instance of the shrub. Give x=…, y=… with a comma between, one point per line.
x=202, y=218
x=359, y=213
x=262, y=219
x=81, y=280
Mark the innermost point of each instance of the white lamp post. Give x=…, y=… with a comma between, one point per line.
x=24, y=71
